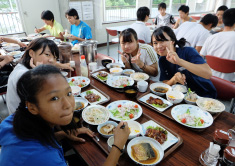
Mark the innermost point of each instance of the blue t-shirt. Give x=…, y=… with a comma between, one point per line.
x=82, y=31
x=16, y=151
x=203, y=87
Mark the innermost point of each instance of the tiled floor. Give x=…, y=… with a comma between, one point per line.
x=103, y=50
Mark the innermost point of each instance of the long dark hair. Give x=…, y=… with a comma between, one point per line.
x=127, y=35
x=26, y=125
x=159, y=36
x=36, y=45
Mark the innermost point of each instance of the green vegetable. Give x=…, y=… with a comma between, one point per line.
x=160, y=106
x=71, y=83
x=157, y=128
x=188, y=111
x=89, y=92
x=102, y=78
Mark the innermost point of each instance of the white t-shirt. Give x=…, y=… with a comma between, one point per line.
x=149, y=57
x=143, y=32
x=166, y=20
x=12, y=97
x=193, y=32
x=221, y=45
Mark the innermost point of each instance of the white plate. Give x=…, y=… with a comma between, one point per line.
x=152, y=142
x=180, y=88
x=87, y=80
x=110, y=65
x=194, y=111
x=159, y=84
x=105, y=113
x=135, y=76
x=171, y=139
x=218, y=106
x=115, y=104
x=113, y=79
x=146, y=97
x=95, y=75
x=80, y=99
x=102, y=97
x=14, y=53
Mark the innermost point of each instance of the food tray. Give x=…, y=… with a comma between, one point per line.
x=125, y=159
x=167, y=113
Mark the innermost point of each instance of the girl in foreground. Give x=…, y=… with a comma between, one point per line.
x=197, y=72
x=140, y=57
x=45, y=101
x=39, y=51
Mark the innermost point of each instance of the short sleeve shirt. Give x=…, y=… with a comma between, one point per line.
x=55, y=30
x=203, y=87
x=82, y=31
x=143, y=32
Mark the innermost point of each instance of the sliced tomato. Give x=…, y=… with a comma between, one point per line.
x=73, y=80
x=124, y=85
x=119, y=105
x=136, y=106
x=202, y=121
x=131, y=116
x=83, y=80
x=183, y=120
x=80, y=85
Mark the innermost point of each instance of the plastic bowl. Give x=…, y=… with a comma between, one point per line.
x=135, y=129
x=101, y=125
x=190, y=102
x=174, y=97
x=131, y=91
x=106, y=61
x=116, y=71
x=76, y=90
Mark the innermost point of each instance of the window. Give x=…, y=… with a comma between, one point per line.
x=119, y=10
x=232, y=4
x=9, y=17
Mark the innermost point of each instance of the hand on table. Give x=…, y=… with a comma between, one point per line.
x=6, y=59
x=136, y=59
x=171, y=54
x=180, y=78
x=74, y=133
x=124, y=56
x=22, y=44
x=65, y=66
x=121, y=135
x=34, y=65
x=71, y=37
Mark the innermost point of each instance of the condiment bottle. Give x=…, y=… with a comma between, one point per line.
x=229, y=156
x=84, y=68
x=221, y=138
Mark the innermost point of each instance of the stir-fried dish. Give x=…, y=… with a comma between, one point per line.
x=156, y=102
x=92, y=97
x=156, y=133
x=103, y=76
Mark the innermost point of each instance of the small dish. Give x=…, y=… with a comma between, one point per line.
x=116, y=71
x=104, y=62
x=114, y=65
x=128, y=72
x=135, y=129
x=160, y=85
x=80, y=103
x=174, y=97
x=101, y=125
x=76, y=90
x=180, y=88
x=131, y=91
x=138, y=76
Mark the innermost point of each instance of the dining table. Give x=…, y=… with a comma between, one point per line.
x=194, y=142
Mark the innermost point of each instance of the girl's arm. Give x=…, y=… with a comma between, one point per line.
x=9, y=40
x=39, y=30
x=176, y=24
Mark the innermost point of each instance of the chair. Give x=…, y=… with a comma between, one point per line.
x=100, y=57
x=141, y=41
x=115, y=40
x=153, y=20
x=148, y=24
x=196, y=17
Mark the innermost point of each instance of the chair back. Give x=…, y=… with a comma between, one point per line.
x=100, y=57
x=225, y=89
x=196, y=17
x=148, y=23
x=112, y=32
x=141, y=41
x=220, y=64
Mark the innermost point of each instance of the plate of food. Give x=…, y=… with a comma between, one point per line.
x=80, y=103
x=79, y=81
x=120, y=81
x=95, y=114
x=128, y=72
x=145, y=151
x=157, y=132
x=107, y=129
x=138, y=76
x=160, y=89
x=156, y=102
x=94, y=97
x=180, y=88
x=191, y=116
x=211, y=105
x=190, y=97
x=13, y=53
x=114, y=65
x=101, y=75
x=124, y=110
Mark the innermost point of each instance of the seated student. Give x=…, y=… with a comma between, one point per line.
x=197, y=33
x=219, y=13
x=9, y=40
x=143, y=32
x=197, y=73
x=183, y=12
x=80, y=30
x=46, y=101
x=4, y=60
x=52, y=25
x=140, y=57
x=222, y=44
x=163, y=18
x=39, y=51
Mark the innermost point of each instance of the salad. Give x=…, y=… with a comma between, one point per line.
x=190, y=120
x=121, y=82
x=102, y=76
x=77, y=82
x=126, y=111
x=191, y=96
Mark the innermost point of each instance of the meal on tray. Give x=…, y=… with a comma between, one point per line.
x=144, y=153
x=190, y=120
x=77, y=82
x=107, y=129
x=156, y=133
x=161, y=89
x=103, y=76
x=156, y=102
x=92, y=97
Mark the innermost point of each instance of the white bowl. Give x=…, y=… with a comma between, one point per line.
x=180, y=88
x=135, y=129
x=82, y=100
x=116, y=71
x=190, y=102
x=159, y=84
x=176, y=96
x=128, y=70
x=138, y=76
x=76, y=90
x=110, y=142
x=101, y=125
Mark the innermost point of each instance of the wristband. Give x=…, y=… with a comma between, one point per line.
x=121, y=150
x=143, y=67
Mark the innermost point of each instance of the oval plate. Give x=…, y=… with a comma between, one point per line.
x=218, y=106
x=113, y=79
x=86, y=83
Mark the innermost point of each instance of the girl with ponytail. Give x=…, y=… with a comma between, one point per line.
x=196, y=71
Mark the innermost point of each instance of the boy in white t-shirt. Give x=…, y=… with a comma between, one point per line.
x=164, y=19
